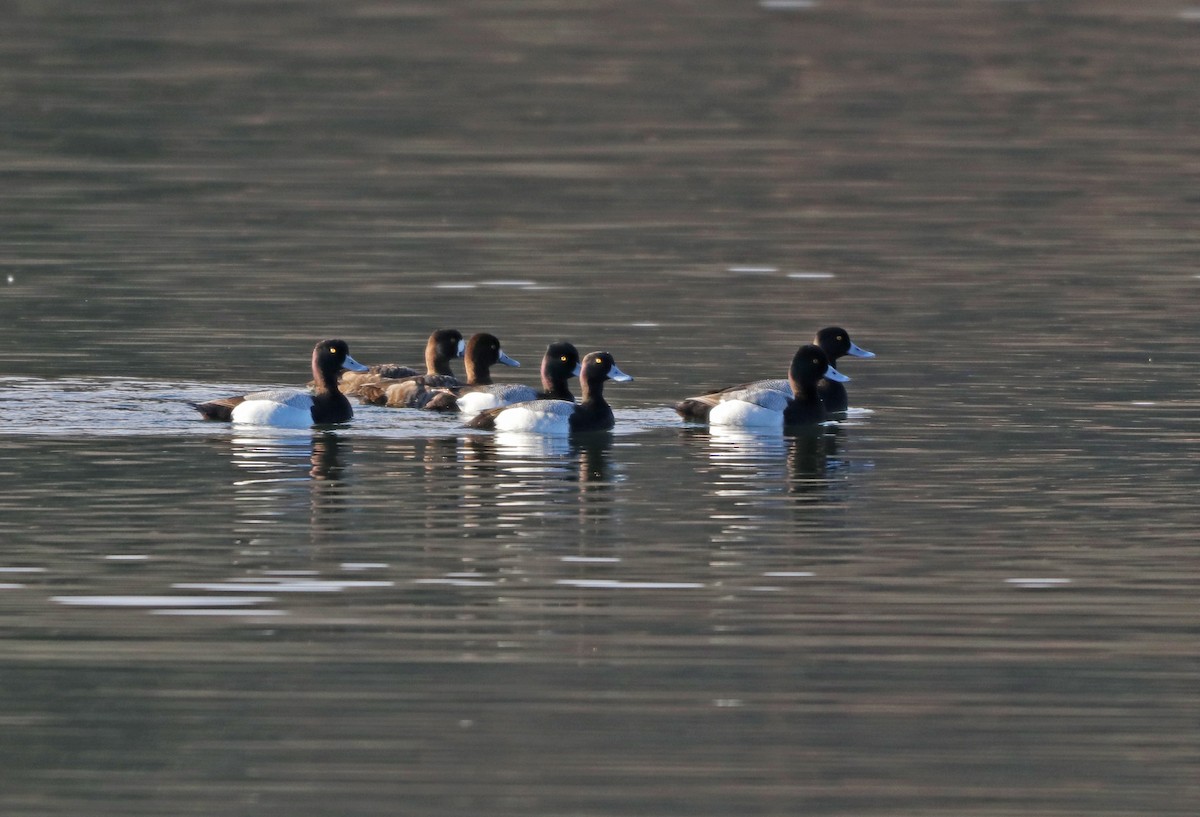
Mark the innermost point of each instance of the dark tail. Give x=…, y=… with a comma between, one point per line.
x=695, y=409
x=219, y=410
x=485, y=419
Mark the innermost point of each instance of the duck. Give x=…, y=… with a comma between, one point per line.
x=559, y=364
x=443, y=346
x=295, y=408
x=483, y=350
x=592, y=413
x=834, y=341
x=756, y=407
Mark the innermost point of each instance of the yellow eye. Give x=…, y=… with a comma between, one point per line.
x=333, y=350
x=598, y=361
x=563, y=358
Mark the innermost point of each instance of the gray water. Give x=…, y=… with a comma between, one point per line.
x=974, y=596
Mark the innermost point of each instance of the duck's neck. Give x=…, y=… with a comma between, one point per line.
x=557, y=391
x=478, y=372
x=803, y=391
x=555, y=387
x=592, y=392
x=435, y=363
x=326, y=381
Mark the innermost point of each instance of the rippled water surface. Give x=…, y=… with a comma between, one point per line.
x=976, y=595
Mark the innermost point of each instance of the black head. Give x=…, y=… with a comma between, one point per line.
x=600, y=366
x=448, y=343
x=560, y=362
x=835, y=342
x=331, y=356
x=809, y=365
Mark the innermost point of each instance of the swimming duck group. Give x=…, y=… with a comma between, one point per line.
x=812, y=392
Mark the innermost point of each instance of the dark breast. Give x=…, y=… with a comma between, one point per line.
x=592, y=418
x=331, y=408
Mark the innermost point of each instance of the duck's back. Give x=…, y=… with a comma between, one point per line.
x=482, y=398
x=408, y=392
x=350, y=382
x=699, y=408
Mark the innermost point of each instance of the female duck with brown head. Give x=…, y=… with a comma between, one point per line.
x=483, y=351
x=443, y=346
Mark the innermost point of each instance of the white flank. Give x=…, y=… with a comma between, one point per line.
x=296, y=413
x=741, y=413
x=537, y=417
x=474, y=402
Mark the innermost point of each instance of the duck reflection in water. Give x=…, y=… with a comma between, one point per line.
x=284, y=475
x=594, y=451
x=429, y=469
x=812, y=455
x=520, y=482
x=597, y=509
x=755, y=479
x=753, y=464
x=746, y=461
x=590, y=451
x=326, y=459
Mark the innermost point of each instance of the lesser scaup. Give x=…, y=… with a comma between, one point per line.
x=592, y=413
x=443, y=346
x=769, y=408
x=559, y=364
x=295, y=408
x=834, y=342
x=483, y=351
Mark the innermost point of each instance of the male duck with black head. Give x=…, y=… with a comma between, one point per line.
x=295, y=408
x=834, y=342
x=592, y=413
x=443, y=346
x=771, y=409
x=483, y=351
x=559, y=364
